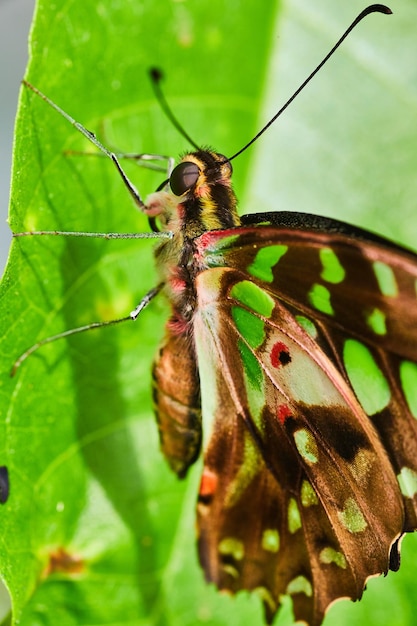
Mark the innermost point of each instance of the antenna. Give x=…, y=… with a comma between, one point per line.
x=373, y=8
x=156, y=77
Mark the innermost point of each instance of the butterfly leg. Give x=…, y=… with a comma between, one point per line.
x=93, y=139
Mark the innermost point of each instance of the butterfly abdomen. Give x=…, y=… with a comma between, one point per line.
x=176, y=396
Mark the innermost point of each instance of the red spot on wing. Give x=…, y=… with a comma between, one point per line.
x=208, y=484
x=283, y=413
x=280, y=355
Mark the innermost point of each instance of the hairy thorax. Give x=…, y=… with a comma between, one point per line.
x=209, y=203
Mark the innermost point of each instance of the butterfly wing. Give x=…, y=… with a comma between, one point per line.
x=305, y=489
x=357, y=298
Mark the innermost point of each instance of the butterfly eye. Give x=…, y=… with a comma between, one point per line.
x=227, y=168
x=183, y=177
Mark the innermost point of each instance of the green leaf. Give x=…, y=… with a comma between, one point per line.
x=91, y=496
x=86, y=475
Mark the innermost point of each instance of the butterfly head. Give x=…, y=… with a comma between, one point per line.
x=201, y=196
x=199, y=172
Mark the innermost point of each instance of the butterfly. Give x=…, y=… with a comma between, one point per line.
x=291, y=337
x=294, y=335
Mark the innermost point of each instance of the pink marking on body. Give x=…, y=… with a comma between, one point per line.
x=283, y=413
x=176, y=280
x=208, y=483
x=178, y=326
x=177, y=284
x=181, y=211
x=202, y=191
x=280, y=355
x=226, y=181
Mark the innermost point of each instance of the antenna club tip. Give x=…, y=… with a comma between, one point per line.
x=156, y=74
x=380, y=8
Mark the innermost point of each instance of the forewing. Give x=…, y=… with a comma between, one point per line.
x=355, y=295
x=364, y=287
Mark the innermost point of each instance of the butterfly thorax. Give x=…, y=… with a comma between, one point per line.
x=201, y=199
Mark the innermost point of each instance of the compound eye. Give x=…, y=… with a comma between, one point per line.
x=183, y=177
x=228, y=167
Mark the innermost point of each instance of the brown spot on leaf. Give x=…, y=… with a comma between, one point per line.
x=61, y=562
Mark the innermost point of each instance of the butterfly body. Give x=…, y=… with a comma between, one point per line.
x=176, y=383
x=287, y=339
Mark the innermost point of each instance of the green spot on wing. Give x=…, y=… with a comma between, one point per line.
x=408, y=377
x=366, y=378
x=351, y=517
x=252, y=296
x=252, y=367
x=266, y=258
x=254, y=382
x=308, y=495
x=319, y=297
x=407, y=479
x=245, y=474
x=332, y=271
x=308, y=325
x=294, y=518
x=386, y=278
x=249, y=326
x=233, y=547
x=377, y=322
x=306, y=446
x=330, y=555
x=300, y=584
x=265, y=595
x=270, y=540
